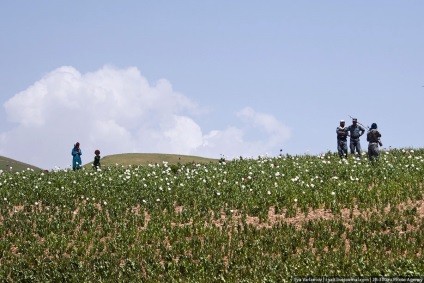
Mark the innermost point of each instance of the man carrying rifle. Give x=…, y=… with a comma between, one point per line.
x=373, y=138
x=355, y=132
x=342, y=139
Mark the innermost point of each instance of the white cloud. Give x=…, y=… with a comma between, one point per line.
x=118, y=111
x=270, y=134
x=277, y=132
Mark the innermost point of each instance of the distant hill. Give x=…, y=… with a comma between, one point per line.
x=149, y=158
x=6, y=163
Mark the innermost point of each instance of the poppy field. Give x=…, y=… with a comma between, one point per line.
x=265, y=219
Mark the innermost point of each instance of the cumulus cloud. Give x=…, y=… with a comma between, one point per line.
x=276, y=130
x=119, y=111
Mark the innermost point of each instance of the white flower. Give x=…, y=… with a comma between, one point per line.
x=269, y=192
x=158, y=199
x=295, y=179
x=218, y=193
x=36, y=203
x=295, y=200
x=333, y=193
x=105, y=203
x=5, y=199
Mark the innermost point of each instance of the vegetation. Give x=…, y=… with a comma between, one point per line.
x=248, y=220
x=8, y=164
x=149, y=158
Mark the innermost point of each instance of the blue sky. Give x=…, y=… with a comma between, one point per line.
x=238, y=78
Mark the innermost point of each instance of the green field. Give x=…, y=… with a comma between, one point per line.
x=149, y=158
x=8, y=164
x=246, y=220
x=11, y=165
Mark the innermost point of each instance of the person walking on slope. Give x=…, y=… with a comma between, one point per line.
x=76, y=157
x=342, y=139
x=355, y=132
x=373, y=138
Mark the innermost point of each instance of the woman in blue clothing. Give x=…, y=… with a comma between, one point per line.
x=76, y=157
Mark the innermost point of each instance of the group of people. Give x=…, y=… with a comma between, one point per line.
x=355, y=131
x=76, y=158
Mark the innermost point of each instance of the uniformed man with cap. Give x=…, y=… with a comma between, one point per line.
x=373, y=138
x=355, y=132
x=342, y=139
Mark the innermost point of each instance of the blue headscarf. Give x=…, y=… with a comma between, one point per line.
x=373, y=126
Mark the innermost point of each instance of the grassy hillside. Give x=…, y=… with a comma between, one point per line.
x=149, y=158
x=248, y=220
x=6, y=163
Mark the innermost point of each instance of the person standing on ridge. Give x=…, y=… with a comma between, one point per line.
x=76, y=157
x=96, y=163
x=355, y=132
x=373, y=138
x=342, y=139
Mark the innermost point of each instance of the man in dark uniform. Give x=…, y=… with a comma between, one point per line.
x=373, y=138
x=356, y=131
x=342, y=139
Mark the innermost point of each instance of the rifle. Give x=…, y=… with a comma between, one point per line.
x=360, y=123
